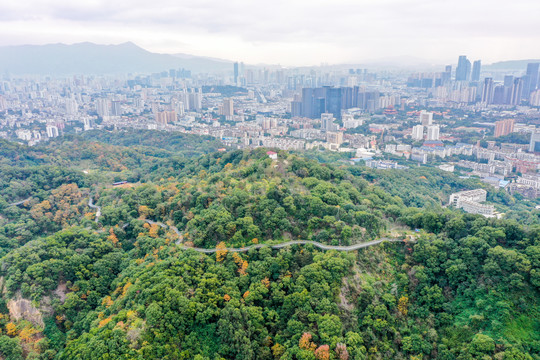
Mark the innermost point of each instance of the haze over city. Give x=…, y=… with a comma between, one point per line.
x=289, y=33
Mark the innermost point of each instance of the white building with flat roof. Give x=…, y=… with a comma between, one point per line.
x=433, y=132
x=470, y=201
x=418, y=132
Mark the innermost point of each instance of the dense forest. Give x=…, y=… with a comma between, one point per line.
x=116, y=285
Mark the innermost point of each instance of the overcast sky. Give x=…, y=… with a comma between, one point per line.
x=288, y=32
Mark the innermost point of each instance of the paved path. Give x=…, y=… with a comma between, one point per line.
x=19, y=202
x=295, y=242
x=276, y=246
x=173, y=228
x=91, y=205
x=256, y=246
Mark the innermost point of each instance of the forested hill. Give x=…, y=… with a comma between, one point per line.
x=119, y=287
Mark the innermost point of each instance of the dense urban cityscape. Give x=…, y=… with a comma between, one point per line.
x=469, y=121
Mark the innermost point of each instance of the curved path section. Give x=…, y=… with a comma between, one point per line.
x=256, y=246
x=173, y=228
x=296, y=242
x=276, y=246
x=19, y=202
x=98, y=208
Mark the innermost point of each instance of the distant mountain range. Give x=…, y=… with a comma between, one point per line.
x=89, y=58
x=510, y=65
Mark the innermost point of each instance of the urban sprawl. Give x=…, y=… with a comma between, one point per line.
x=471, y=121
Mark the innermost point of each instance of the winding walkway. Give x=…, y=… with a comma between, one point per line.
x=255, y=246
x=295, y=242
x=20, y=202
x=91, y=205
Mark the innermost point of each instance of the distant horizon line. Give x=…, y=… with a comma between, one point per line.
x=379, y=62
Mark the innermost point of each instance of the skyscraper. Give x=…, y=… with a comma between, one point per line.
x=236, y=73
x=333, y=101
x=447, y=74
x=532, y=73
x=508, y=84
x=515, y=94
x=487, y=91
x=463, y=69
x=499, y=95
x=476, y=70
x=296, y=108
x=307, y=102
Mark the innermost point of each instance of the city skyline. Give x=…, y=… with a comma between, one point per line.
x=291, y=34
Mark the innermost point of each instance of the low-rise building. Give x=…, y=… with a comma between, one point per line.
x=470, y=201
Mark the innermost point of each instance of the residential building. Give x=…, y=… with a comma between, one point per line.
x=504, y=127
x=433, y=132
x=418, y=132
x=426, y=118
x=470, y=201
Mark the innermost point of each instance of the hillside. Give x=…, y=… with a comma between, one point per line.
x=121, y=287
x=89, y=58
x=511, y=65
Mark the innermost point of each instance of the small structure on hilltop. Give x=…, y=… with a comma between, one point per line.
x=272, y=155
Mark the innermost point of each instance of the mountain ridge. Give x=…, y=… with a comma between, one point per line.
x=90, y=58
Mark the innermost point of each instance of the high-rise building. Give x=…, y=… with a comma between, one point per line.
x=534, y=145
x=463, y=69
x=228, y=109
x=102, y=107
x=532, y=76
x=333, y=101
x=499, y=95
x=71, y=106
x=504, y=127
x=426, y=118
x=508, y=80
x=327, y=122
x=516, y=91
x=433, y=132
x=52, y=131
x=296, y=108
x=195, y=99
x=116, y=108
x=236, y=72
x=165, y=117
x=475, y=76
x=418, y=132
x=447, y=74
x=487, y=91
x=534, y=99
x=307, y=102
x=508, y=83
x=327, y=99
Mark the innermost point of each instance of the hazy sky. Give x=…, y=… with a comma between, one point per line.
x=289, y=32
